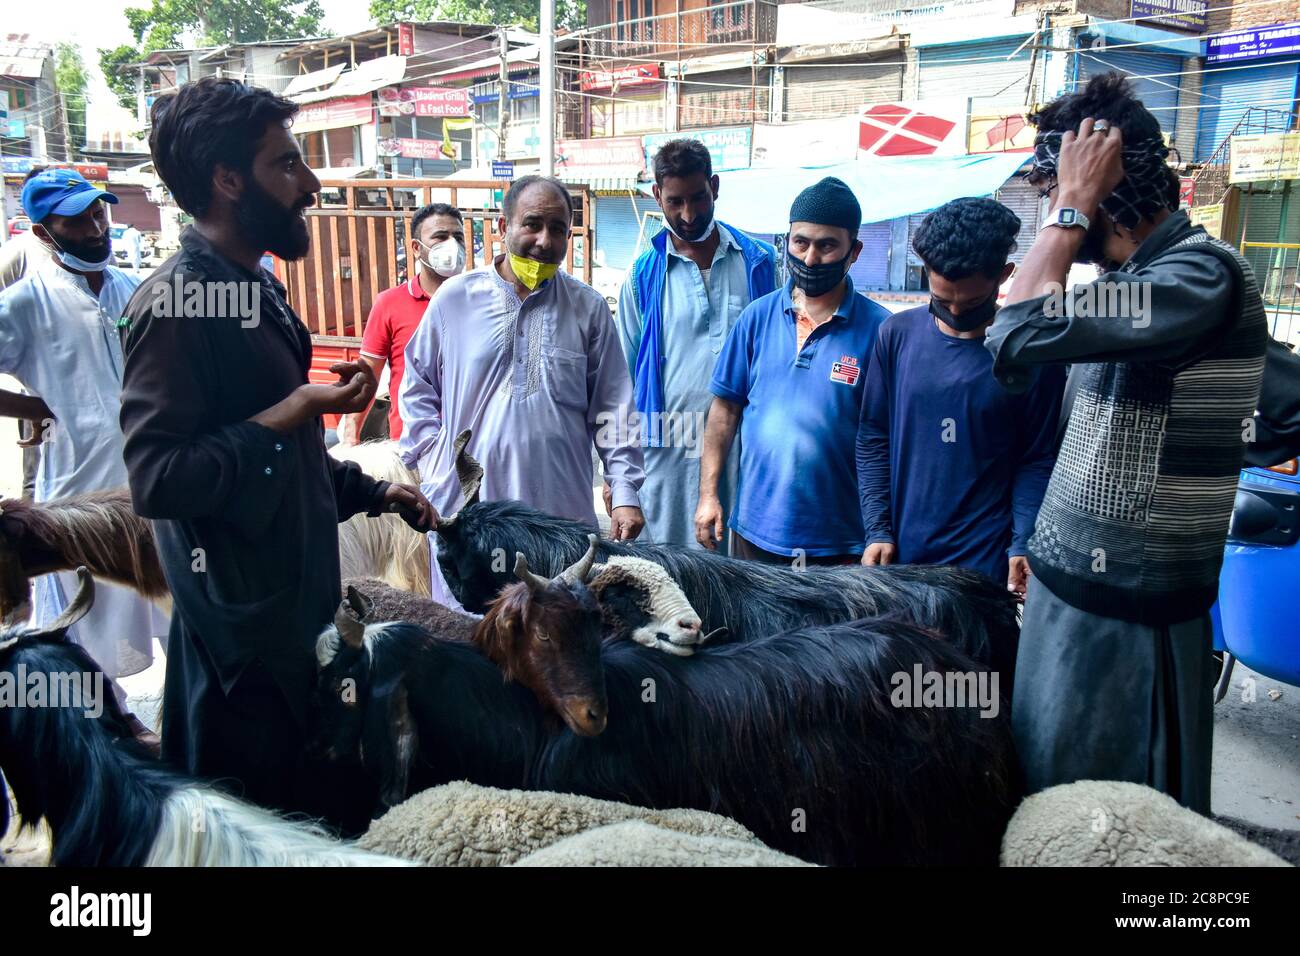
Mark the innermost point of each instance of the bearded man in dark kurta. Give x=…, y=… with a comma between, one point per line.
x=225, y=450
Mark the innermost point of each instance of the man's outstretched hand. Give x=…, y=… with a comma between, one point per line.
x=410, y=503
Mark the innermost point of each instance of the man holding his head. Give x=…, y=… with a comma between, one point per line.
x=790, y=377
x=679, y=301
x=1113, y=677
x=225, y=447
x=951, y=466
x=527, y=357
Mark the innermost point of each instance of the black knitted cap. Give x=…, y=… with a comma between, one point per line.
x=828, y=203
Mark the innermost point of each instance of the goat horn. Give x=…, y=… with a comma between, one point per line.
x=577, y=573
x=361, y=604
x=81, y=604
x=348, y=624
x=535, y=582
x=468, y=470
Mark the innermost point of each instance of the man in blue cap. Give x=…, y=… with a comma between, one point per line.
x=791, y=377
x=58, y=337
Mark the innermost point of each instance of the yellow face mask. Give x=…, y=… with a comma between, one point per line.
x=531, y=272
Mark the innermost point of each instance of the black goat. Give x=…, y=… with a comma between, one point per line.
x=747, y=598
x=794, y=735
x=107, y=802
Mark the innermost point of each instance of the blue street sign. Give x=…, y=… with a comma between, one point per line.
x=502, y=170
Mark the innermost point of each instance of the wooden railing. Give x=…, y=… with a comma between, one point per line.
x=359, y=244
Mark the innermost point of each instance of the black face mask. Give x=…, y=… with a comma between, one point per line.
x=971, y=319
x=819, y=279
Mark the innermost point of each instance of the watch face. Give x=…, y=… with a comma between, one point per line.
x=1067, y=217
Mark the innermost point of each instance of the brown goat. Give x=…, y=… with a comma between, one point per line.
x=99, y=531
x=544, y=633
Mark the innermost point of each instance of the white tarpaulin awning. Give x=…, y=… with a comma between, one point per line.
x=759, y=200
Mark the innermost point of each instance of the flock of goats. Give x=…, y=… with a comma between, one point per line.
x=656, y=676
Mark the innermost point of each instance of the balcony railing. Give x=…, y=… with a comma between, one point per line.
x=1211, y=181
x=722, y=27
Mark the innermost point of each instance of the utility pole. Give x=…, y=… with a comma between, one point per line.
x=503, y=103
x=547, y=92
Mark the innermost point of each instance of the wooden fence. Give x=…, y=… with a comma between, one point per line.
x=359, y=245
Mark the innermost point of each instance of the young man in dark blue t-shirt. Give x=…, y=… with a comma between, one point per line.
x=951, y=467
x=790, y=378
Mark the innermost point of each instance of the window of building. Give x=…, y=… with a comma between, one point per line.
x=331, y=148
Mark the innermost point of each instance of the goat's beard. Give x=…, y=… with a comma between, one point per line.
x=268, y=224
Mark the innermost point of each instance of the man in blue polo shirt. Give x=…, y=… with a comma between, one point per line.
x=791, y=377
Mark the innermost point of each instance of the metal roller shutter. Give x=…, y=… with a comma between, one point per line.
x=871, y=271
x=1159, y=95
x=1022, y=199
x=1261, y=214
x=1227, y=93
x=724, y=98
x=913, y=224
x=817, y=92
x=618, y=222
x=980, y=71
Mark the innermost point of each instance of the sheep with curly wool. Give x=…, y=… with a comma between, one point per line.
x=1114, y=823
x=636, y=843
x=461, y=824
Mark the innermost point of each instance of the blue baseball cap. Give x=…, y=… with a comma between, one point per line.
x=61, y=192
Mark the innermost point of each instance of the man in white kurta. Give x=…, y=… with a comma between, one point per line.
x=59, y=339
x=536, y=380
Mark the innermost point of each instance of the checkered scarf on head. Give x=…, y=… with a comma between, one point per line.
x=1142, y=192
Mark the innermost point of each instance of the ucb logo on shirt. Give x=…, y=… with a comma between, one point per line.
x=846, y=370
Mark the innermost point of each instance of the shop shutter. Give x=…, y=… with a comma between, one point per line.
x=1022, y=199
x=871, y=271
x=818, y=92
x=981, y=71
x=1226, y=94
x=1159, y=95
x=618, y=222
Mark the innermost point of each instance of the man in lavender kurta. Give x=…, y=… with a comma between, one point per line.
x=527, y=358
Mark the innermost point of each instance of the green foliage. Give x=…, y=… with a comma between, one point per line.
x=165, y=24
x=569, y=14
x=70, y=80
x=123, y=84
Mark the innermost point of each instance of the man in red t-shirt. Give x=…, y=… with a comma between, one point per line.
x=438, y=250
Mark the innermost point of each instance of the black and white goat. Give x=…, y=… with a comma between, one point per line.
x=107, y=802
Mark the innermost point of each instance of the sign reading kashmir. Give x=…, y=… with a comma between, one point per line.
x=1276, y=40
x=423, y=101
x=729, y=147
x=1263, y=157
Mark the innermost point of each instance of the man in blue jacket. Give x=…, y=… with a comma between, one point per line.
x=679, y=302
x=790, y=378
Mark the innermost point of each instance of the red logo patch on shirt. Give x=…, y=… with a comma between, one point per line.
x=846, y=370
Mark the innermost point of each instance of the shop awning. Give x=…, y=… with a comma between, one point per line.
x=758, y=200
x=603, y=178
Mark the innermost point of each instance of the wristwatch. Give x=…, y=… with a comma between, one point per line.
x=1068, y=218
